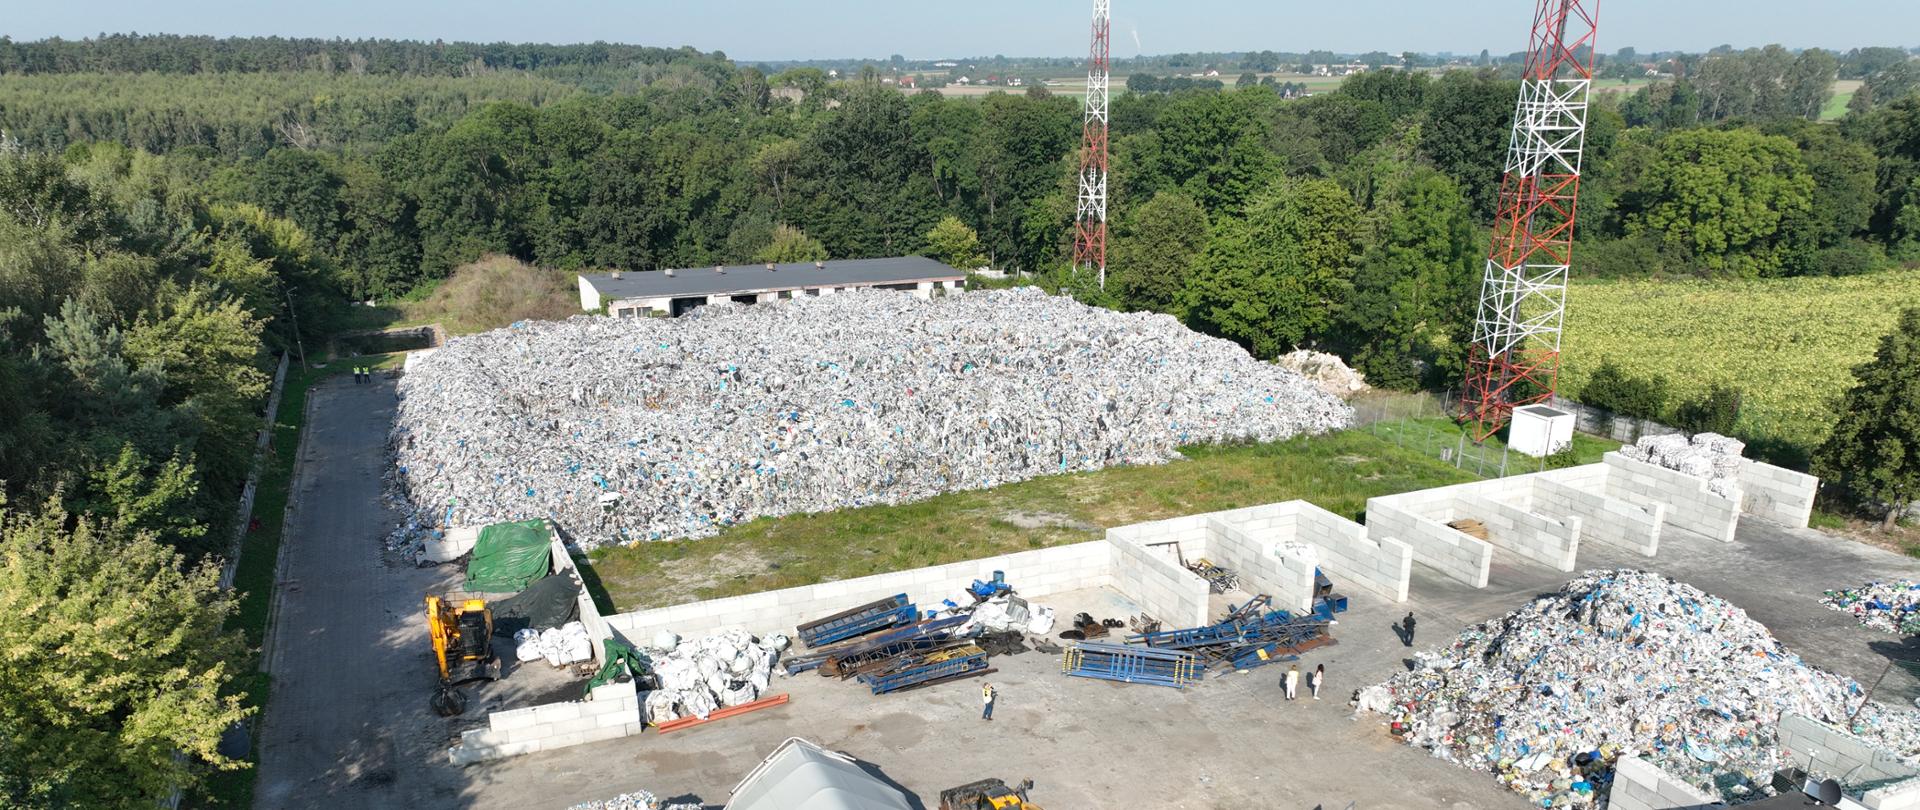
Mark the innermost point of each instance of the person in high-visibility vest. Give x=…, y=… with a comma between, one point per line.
x=987, y=696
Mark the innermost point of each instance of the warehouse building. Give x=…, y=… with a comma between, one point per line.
x=674, y=292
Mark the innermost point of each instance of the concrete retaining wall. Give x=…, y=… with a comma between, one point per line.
x=1689, y=505
x=1537, y=537
x=1434, y=544
x=1777, y=494
x=1033, y=574
x=1150, y=576
x=1605, y=520
x=1349, y=556
x=1828, y=751
x=1264, y=563
x=1639, y=785
x=613, y=712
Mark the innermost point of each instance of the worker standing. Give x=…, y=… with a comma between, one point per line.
x=1314, y=680
x=987, y=696
x=1293, y=680
x=1408, y=624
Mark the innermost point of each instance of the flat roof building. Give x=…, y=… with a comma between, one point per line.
x=674, y=292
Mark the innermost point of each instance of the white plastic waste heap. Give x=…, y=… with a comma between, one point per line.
x=1708, y=456
x=628, y=430
x=1623, y=663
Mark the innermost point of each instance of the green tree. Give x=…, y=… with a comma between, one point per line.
x=1736, y=199
x=1280, y=274
x=1153, y=248
x=116, y=664
x=952, y=242
x=1208, y=146
x=790, y=244
x=1469, y=115
x=1874, y=449
x=1414, y=290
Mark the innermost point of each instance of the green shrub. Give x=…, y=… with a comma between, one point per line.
x=1717, y=411
x=1611, y=388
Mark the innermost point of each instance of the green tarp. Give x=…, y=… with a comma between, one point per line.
x=508, y=556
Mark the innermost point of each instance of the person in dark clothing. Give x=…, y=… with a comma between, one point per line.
x=1407, y=625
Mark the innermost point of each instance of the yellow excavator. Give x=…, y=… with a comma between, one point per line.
x=988, y=794
x=462, y=634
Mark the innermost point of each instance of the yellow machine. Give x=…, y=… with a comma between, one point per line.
x=462, y=635
x=988, y=794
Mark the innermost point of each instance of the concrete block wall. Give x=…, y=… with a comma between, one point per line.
x=1611, y=521
x=1902, y=795
x=1153, y=579
x=1434, y=544
x=1264, y=563
x=1543, y=539
x=1033, y=574
x=1350, y=556
x=1640, y=785
x=1689, y=505
x=613, y=712
x=1777, y=494
x=1825, y=751
x=562, y=565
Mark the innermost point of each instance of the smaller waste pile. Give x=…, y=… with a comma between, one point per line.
x=637, y=800
x=726, y=669
x=559, y=646
x=1708, y=456
x=1890, y=607
x=1622, y=663
x=1325, y=370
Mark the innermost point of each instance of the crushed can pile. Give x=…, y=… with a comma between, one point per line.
x=1890, y=607
x=1622, y=663
x=626, y=430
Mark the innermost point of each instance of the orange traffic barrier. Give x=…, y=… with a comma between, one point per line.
x=722, y=714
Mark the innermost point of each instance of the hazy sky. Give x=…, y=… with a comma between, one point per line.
x=778, y=29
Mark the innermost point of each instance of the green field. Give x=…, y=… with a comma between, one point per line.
x=1843, y=91
x=1338, y=472
x=1789, y=344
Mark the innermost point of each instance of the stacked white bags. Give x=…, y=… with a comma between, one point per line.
x=1708, y=456
x=729, y=668
x=560, y=646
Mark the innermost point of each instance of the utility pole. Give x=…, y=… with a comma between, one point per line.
x=287, y=294
x=1514, y=359
x=1090, y=216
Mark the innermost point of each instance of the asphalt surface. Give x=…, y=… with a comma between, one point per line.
x=348, y=725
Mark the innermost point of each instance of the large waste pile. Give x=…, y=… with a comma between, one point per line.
x=729, y=668
x=1621, y=663
x=627, y=430
x=1708, y=456
x=1890, y=607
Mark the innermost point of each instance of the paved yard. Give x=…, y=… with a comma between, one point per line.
x=349, y=727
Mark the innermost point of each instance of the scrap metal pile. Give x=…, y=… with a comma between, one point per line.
x=1249, y=636
x=628, y=430
x=889, y=647
x=1709, y=456
x=1622, y=663
x=1890, y=607
x=694, y=678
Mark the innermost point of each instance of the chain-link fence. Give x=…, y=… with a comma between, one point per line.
x=1424, y=423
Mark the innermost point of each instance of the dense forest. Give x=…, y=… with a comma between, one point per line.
x=176, y=210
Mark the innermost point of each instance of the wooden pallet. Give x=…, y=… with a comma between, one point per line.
x=721, y=714
x=1470, y=528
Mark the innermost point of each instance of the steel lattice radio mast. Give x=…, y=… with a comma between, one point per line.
x=1090, y=217
x=1515, y=356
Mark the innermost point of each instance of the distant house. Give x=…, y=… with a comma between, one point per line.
x=674, y=292
x=1016, y=81
x=963, y=81
x=946, y=64
x=1213, y=73
x=908, y=81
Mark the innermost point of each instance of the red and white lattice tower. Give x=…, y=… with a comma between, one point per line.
x=1090, y=217
x=1515, y=356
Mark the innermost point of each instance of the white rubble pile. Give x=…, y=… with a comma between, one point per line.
x=637, y=800
x=998, y=614
x=728, y=668
x=1622, y=663
x=1326, y=370
x=627, y=430
x=1709, y=456
x=559, y=646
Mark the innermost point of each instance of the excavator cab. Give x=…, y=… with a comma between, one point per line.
x=462, y=635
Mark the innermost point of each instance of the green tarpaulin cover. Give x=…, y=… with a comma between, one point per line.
x=508, y=556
